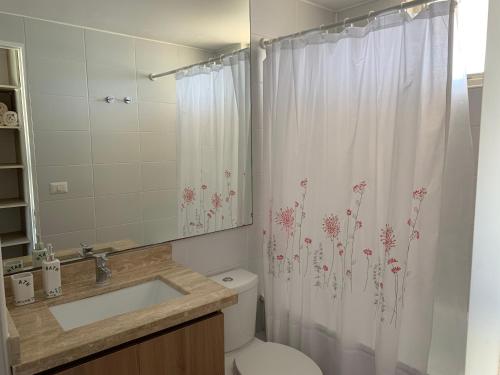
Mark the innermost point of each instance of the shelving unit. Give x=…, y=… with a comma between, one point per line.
x=15, y=212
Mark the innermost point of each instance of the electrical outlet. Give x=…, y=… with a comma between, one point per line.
x=59, y=187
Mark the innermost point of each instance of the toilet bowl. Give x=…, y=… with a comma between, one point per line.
x=245, y=354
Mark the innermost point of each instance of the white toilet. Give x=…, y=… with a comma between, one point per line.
x=245, y=354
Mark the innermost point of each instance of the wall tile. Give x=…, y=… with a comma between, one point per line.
x=159, y=175
x=78, y=177
x=132, y=232
x=59, y=77
x=70, y=240
x=155, y=57
x=189, y=56
x=159, y=90
x=159, y=204
x=162, y=230
x=213, y=253
x=54, y=41
x=109, y=49
x=158, y=147
x=116, y=178
x=73, y=147
x=117, y=209
x=115, y=147
x=56, y=112
x=310, y=16
x=113, y=116
x=157, y=117
x=12, y=28
x=111, y=80
x=69, y=215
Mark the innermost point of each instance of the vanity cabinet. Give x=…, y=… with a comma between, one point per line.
x=194, y=348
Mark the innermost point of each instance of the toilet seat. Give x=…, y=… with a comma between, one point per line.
x=275, y=359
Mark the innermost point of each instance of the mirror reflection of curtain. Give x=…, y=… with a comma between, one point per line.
x=214, y=145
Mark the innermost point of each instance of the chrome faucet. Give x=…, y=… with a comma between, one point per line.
x=102, y=271
x=86, y=250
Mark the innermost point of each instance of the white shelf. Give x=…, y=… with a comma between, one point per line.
x=13, y=239
x=12, y=203
x=10, y=127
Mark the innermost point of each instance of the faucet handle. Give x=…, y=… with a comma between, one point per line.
x=86, y=250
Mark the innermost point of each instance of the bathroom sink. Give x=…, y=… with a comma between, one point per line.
x=90, y=310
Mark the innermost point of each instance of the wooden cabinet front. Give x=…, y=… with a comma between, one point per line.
x=194, y=348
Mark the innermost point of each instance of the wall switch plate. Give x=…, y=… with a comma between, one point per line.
x=59, y=187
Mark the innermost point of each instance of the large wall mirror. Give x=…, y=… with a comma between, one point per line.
x=122, y=123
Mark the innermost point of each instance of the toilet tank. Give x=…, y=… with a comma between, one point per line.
x=239, y=319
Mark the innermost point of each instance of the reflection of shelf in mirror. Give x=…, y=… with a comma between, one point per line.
x=11, y=203
x=11, y=166
x=8, y=87
x=13, y=239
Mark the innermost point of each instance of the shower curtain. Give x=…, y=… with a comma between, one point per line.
x=213, y=146
x=354, y=145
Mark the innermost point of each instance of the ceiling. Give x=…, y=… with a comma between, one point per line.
x=340, y=4
x=208, y=24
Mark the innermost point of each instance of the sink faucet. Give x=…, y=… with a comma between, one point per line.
x=102, y=271
x=86, y=250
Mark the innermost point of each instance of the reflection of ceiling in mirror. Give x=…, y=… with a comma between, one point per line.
x=200, y=23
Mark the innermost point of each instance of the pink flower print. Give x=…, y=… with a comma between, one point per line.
x=285, y=218
x=367, y=252
x=203, y=187
x=360, y=188
x=296, y=257
x=188, y=195
x=209, y=215
x=296, y=204
x=232, y=193
x=227, y=173
x=216, y=201
x=325, y=268
x=415, y=235
x=280, y=257
x=395, y=270
x=341, y=251
x=420, y=194
x=349, y=212
x=392, y=260
x=381, y=285
x=409, y=222
x=348, y=273
x=358, y=225
x=307, y=240
x=331, y=226
x=303, y=183
x=388, y=238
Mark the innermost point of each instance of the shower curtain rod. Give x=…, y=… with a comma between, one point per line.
x=153, y=76
x=371, y=14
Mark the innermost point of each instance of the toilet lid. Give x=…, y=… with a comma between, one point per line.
x=275, y=359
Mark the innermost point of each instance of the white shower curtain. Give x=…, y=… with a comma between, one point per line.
x=355, y=138
x=213, y=146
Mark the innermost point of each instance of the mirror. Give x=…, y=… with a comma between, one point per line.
x=123, y=123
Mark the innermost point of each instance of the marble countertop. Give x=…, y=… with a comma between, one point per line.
x=42, y=343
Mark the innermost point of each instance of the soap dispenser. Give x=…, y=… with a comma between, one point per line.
x=39, y=253
x=51, y=274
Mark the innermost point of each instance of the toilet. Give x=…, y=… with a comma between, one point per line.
x=246, y=354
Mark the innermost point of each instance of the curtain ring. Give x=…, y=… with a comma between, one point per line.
x=369, y=16
x=345, y=22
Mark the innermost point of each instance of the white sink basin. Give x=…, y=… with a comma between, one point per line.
x=89, y=310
